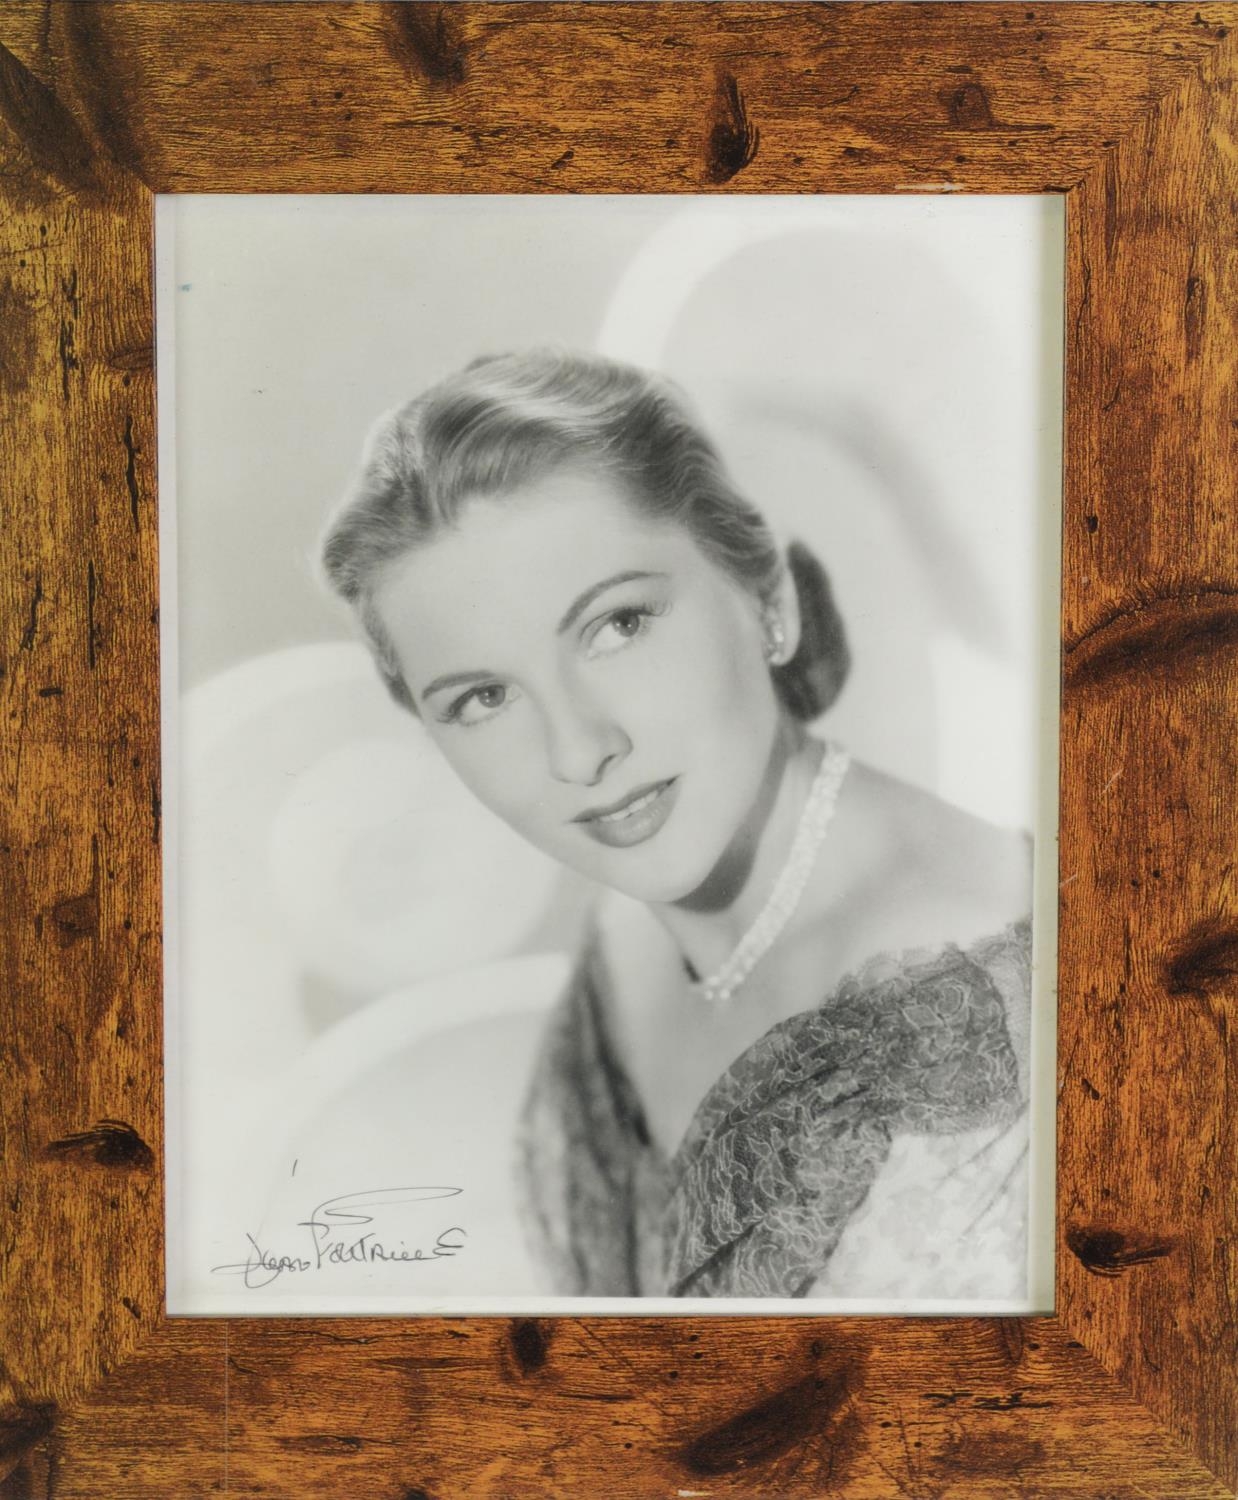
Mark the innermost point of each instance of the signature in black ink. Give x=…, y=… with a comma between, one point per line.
x=331, y=1240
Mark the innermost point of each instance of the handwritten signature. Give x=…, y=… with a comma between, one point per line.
x=330, y=1240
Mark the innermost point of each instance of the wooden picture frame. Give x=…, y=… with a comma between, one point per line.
x=1131, y=111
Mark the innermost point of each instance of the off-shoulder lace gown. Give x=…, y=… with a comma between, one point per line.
x=875, y=1146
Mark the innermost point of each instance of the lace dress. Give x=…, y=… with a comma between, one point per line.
x=873, y=1146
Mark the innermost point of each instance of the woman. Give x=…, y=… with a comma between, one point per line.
x=793, y=1058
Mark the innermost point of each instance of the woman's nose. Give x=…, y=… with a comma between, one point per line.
x=583, y=741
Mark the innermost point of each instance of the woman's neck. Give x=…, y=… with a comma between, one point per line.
x=708, y=925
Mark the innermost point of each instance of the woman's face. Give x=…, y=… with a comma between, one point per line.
x=592, y=676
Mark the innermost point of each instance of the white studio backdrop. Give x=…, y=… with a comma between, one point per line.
x=883, y=375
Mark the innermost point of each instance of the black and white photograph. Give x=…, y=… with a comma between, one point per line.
x=610, y=699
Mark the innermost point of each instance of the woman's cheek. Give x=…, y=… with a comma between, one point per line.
x=715, y=683
x=491, y=761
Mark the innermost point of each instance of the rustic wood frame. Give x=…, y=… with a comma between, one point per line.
x=1128, y=109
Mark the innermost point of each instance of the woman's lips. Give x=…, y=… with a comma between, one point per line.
x=634, y=818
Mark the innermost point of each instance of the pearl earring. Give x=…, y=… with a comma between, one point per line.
x=776, y=643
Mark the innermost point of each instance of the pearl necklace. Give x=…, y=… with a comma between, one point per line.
x=788, y=889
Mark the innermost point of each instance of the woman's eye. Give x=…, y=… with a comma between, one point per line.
x=627, y=622
x=619, y=627
x=479, y=704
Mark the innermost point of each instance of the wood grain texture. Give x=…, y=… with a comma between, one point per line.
x=1131, y=108
x=378, y=98
x=1148, y=1264
x=80, y=1027
x=521, y=1410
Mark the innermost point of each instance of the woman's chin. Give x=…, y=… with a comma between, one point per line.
x=657, y=881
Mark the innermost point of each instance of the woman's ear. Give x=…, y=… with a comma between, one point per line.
x=783, y=622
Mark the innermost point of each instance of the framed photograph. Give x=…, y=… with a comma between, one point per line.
x=401, y=957
x=621, y=749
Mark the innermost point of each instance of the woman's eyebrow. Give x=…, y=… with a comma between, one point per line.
x=453, y=679
x=583, y=601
